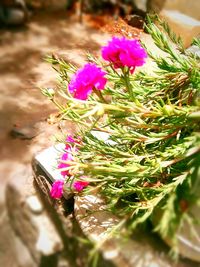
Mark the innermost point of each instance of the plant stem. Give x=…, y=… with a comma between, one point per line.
x=100, y=96
x=57, y=104
x=127, y=83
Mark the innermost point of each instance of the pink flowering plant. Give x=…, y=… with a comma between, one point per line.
x=122, y=52
x=57, y=189
x=86, y=80
x=139, y=140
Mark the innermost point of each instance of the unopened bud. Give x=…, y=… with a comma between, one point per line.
x=100, y=112
x=51, y=92
x=168, y=110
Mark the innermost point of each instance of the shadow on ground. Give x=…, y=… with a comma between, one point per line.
x=22, y=71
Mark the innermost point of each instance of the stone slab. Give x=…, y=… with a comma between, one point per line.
x=45, y=169
x=47, y=160
x=190, y=8
x=29, y=219
x=13, y=253
x=195, y=50
x=184, y=26
x=96, y=223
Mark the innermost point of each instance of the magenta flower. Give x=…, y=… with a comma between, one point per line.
x=67, y=156
x=70, y=139
x=124, y=52
x=69, y=147
x=57, y=189
x=86, y=79
x=80, y=185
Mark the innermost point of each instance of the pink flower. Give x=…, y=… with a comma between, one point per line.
x=80, y=185
x=70, y=139
x=67, y=156
x=124, y=52
x=86, y=79
x=68, y=146
x=57, y=189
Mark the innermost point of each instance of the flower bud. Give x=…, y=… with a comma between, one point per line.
x=100, y=111
x=50, y=92
x=168, y=110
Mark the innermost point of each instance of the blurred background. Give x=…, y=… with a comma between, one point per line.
x=29, y=31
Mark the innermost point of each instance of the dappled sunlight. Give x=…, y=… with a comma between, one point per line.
x=98, y=133
x=23, y=69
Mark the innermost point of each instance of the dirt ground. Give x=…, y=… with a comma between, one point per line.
x=22, y=106
x=23, y=70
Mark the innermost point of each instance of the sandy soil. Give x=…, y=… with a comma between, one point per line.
x=22, y=71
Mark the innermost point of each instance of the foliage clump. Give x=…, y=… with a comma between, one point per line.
x=147, y=164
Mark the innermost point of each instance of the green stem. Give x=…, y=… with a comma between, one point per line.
x=57, y=104
x=127, y=83
x=100, y=96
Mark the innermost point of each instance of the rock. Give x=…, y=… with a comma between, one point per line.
x=47, y=161
x=184, y=26
x=155, y=6
x=140, y=4
x=34, y=204
x=13, y=253
x=195, y=50
x=13, y=12
x=140, y=251
x=189, y=237
x=25, y=132
x=74, y=252
x=190, y=8
x=42, y=182
x=12, y=16
x=45, y=167
x=135, y=21
x=30, y=220
x=96, y=223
